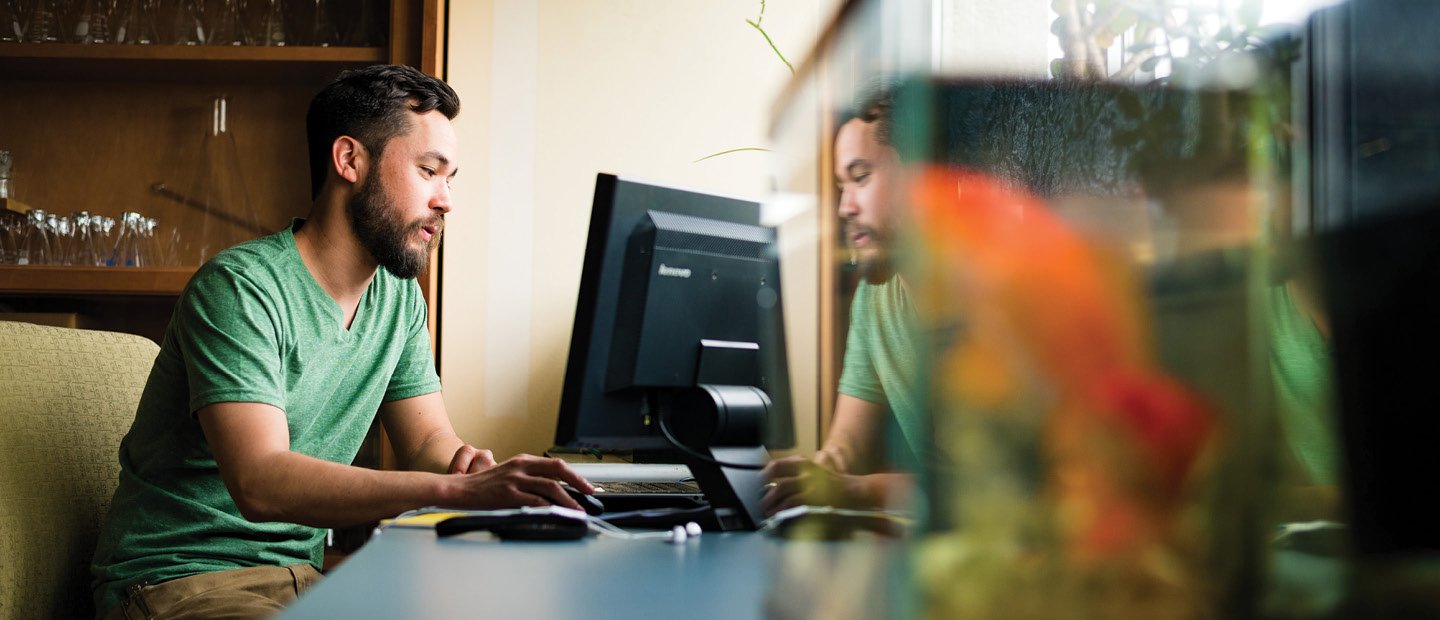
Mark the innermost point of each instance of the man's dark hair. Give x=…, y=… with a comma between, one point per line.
x=879, y=108
x=372, y=105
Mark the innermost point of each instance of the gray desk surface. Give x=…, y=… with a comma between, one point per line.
x=410, y=573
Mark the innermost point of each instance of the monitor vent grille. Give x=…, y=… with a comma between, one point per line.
x=697, y=234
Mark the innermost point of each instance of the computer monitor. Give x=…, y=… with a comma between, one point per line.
x=677, y=352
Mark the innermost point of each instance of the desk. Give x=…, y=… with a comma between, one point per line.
x=410, y=573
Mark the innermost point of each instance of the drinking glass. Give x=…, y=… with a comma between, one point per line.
x=134, y=22
x=226, y=19
x=272, y=24
x=100, y=242
x=129, y=250
x=9, y=240
x=44, y=23
x=12, y=21
x=187, y=26
x=34, y=248
x=92, y=21
x=81, y=250
x=60, y=238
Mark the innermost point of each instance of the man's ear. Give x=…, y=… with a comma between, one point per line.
x=349, y=158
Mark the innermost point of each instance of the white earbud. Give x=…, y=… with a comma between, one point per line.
x=677, y=535
x=693, y=529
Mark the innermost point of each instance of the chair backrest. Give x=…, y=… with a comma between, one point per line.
x=67, y=396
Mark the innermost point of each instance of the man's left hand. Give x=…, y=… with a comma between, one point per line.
x=469, y=459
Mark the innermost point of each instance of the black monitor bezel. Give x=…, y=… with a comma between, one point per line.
x=607, y=228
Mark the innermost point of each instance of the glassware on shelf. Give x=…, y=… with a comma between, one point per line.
x=44, y=24
x=134, y=22
x=217, y=210
x=100, y=241
x=186, y=22
x=92, y=21
x=60, y=238
x=34, y=247
x=12, y=21
x=324, y=25
x=271, y=30
x=8, y=241
x=7, y=164
x=226, y=19
x=129, y=245
x=81, y=249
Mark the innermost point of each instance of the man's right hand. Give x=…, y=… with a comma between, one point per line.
x=521, y=481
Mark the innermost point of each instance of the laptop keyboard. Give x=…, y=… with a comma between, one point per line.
x=647, y=488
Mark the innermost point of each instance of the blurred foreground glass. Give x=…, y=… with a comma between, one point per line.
x=217, y=212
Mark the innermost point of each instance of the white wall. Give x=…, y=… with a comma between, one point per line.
x=552, y=92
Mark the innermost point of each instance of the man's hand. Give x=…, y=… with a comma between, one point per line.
x=522, y=481
x=797, y=481
x=469, y=459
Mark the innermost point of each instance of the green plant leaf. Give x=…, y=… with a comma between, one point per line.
x=781, y=56
x=729, y=151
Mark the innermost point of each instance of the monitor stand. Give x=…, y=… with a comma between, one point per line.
x=733, y=493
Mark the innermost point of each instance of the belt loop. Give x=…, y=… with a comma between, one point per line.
x=135, y=598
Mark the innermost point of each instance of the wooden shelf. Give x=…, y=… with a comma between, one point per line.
x=189, y=63
x=59, y=280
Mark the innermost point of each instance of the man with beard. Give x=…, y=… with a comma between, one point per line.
x=278, y=355
x=877, y=396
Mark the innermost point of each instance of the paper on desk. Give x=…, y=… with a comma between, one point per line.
x=424, y=520
x=427, y=517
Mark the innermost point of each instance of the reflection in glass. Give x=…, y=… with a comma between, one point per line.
x=217, y=210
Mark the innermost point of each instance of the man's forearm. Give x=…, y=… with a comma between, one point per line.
x=296, y=488
x=433, y=455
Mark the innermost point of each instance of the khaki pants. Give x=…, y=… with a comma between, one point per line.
x=256, y=592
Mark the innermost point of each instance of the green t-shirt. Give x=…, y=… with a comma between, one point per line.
x=252, y=326
x=881, y=358
x=1300, y=365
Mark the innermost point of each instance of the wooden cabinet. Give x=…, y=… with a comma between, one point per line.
x=98, y=127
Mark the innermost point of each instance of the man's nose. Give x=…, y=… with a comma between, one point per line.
x=441, y=201
x=847, y=208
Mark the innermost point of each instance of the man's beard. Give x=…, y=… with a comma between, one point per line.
x=381, y=232
x=872, y=261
